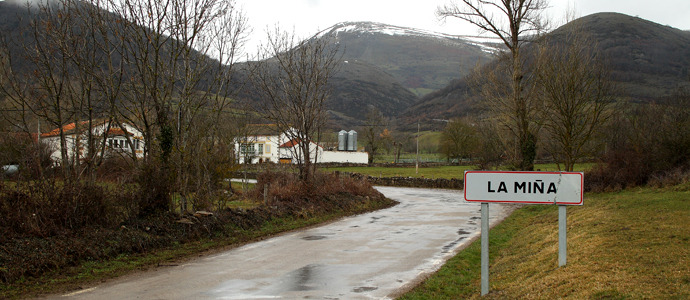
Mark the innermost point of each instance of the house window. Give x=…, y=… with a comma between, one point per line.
x=268, y=148
x=247, y=149
x=261, y=149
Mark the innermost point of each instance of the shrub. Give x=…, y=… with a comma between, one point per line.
x=48, y=208
x=117, y=168
x=154, y=180
x=287, y=187
x=20, y=149
x=619, y=169
x=646, y=145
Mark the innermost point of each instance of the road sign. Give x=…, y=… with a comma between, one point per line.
x=561, y=188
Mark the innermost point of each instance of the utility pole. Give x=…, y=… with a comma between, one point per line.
x=416, y=165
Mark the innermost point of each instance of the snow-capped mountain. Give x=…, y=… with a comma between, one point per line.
x=421, y=60
x=373, y=27
x=487, y=44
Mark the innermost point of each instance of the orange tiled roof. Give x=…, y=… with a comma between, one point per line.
x=293, y=143
x=67, y=129
x=290, y=144
x=71, y=128
x=118, y=131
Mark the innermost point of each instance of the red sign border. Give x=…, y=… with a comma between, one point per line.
x=582, y=185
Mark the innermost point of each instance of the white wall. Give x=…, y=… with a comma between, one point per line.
x=343, y=157
x=294, y=153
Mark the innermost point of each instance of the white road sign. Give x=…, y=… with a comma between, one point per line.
x=561, y=188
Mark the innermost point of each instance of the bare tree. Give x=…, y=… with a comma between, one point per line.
x=458, y=140
x=371, y=132
x=400, y=139
x=208, y=27
x=46, y=92
x=513, y=22
x=491, y=144
x=72, y=49
x=164, y=67
x=292, y=79
x=576, y=94
x=175, y=92
x=97, y=76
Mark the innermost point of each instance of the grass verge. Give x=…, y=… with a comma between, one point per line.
x=633, y=244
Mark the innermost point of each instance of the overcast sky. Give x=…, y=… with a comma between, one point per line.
x=307, y=17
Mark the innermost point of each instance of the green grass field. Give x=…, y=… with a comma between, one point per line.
x=446, y=172
x=633, y=244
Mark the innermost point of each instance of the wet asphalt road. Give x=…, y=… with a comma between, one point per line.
x=370, y=256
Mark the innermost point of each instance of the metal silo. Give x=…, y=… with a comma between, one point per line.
x=342, y=140
x=352, y=140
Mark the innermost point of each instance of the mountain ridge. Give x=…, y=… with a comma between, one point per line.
x=421, y=60
x=415, y=74
x=648, y=62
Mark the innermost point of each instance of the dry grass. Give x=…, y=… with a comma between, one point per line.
x=627, y=245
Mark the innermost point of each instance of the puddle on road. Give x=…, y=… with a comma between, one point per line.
x=374, y=219
x=303, y=277
x=363, y=289
x=313, y=237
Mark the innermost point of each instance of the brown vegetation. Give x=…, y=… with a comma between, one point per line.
x=52, y=225
x=648, y=145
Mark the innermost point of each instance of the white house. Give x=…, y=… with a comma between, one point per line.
x=260, y=144
x=76, y=138
x=264, y=143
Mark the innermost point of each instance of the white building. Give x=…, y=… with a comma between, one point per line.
x=260, y=144
x=263, y=143
x=76, y=138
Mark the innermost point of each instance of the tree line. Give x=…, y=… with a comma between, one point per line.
x=552, y=95
x=170, y=69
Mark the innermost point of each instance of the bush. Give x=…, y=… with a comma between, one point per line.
x=48, y=208
x=618, y=170
x=155, y=188
x=49, y=226
x=117, y=168
x=286, y=187
x=648, y=145
x=20, y=149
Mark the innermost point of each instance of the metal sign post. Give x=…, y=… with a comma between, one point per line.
x=562, y=240
x=556, y=188
x=485, y=248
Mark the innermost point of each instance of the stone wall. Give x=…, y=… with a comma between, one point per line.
x=441, y=183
